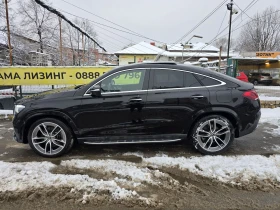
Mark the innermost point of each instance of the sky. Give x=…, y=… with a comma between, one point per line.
x=162, y=20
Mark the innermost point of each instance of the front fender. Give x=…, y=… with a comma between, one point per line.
x=33, y=116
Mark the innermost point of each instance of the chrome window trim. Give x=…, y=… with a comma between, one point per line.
x=166, y=89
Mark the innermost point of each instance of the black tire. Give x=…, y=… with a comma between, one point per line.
x=255, y=82
x=69, y=137
x=202, y=121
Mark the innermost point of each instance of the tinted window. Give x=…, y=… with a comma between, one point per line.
x=124, y=81
x=191, y=81
x=168, y=79
x=206, y=81
x=265, y=74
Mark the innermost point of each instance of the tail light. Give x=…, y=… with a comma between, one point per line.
x=251, y=94
x=262, y=77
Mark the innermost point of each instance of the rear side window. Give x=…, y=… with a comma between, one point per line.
x=164, y=79
x=206, y=81
x=265, y=74
x=191, y=81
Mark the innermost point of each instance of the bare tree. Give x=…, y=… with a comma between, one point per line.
x=72, y=39
x=262, y=33
x=223, y=42
x=39, y=21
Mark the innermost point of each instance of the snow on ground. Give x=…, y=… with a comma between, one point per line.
x=267, y=87
x=137, y=154
x=271, y=116
x=268, y=98
x=236, y=170
x=6, y=112
x=18, y=177
x=122, y=168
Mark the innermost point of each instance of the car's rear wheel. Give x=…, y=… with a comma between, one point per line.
x=50, y=137
x=212, y=135
x=256, y=82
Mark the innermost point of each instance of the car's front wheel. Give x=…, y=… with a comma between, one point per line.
x=50, y=137
x=212, y=135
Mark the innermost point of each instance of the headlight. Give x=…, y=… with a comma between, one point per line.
x=18, y=108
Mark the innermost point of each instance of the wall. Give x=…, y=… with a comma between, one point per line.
x=128, y=59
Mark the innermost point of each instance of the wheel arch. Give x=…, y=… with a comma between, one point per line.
x=225, y=112
x=55, y=115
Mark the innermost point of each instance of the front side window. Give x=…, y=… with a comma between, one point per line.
x=164, y=79
x=124, y=81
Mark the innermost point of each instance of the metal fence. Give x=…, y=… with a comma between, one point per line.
x=268, y=92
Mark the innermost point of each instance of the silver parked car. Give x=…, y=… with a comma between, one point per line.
x=260, y=78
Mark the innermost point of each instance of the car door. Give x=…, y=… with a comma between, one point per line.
x=173, y=98
x=118, y=112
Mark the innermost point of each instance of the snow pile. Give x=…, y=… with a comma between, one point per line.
x=271, y=116
x=236, y=170
x=6, y=112
x=268, y=98
x=137, y=154
x=19, y=177
x=121, y=168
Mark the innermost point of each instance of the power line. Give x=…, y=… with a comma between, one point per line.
x=195, y=27
x=252, y=18
x=252, y=3
x=103, y=24
x=64, y=18
x=107, y=30
x=222, y=22
x=112, y=22
x=202, y=21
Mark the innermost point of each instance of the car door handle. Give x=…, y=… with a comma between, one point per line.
x=197, y=97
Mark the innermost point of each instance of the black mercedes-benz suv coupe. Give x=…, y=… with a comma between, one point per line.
x=141, y=103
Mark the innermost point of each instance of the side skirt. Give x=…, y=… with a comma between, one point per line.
x=131, y=140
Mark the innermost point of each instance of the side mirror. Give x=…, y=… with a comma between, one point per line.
x=95, y=91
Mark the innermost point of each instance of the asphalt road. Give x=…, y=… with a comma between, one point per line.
x=260, y=142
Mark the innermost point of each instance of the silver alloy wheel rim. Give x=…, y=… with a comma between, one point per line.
x=48, y=138
x=213, y=135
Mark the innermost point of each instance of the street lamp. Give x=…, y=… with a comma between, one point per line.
x=183, y=45
x=232, y=11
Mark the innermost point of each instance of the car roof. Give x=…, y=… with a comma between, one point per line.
x=169, y=65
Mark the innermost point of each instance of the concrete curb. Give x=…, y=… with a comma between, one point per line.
x=6, y=117
x=270, y=104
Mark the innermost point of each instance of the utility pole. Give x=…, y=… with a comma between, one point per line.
x=229, y=7
x=8, y=32
x=83, y=43
x=94, y=53
x=79, y=49
x=220, y=55
x=60, y=35
x=182, y=52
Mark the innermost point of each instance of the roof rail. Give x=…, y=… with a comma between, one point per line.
x=165, y=62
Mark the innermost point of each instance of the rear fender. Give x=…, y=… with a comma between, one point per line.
x=224, y=111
